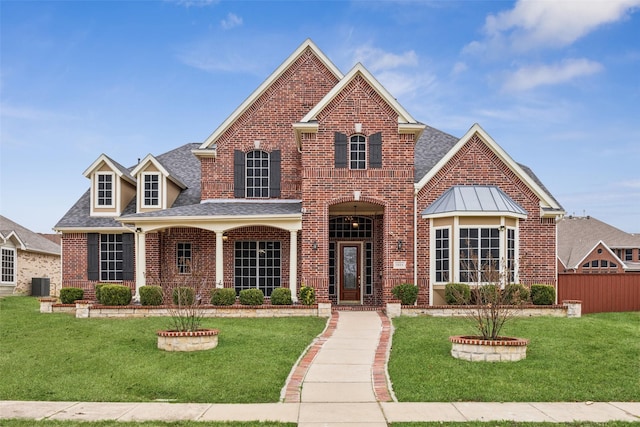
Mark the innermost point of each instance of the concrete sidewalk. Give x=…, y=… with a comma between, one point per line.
x=340, y=381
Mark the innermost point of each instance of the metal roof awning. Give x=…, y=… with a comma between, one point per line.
x=474, y=200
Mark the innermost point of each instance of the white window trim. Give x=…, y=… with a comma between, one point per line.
x=15, y=266
x=161, y=191
x=113, y=191
x=366, y=152
x=454, y=249
x=246, y=175
x=432, y=245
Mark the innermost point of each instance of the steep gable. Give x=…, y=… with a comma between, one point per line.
x=476, y=153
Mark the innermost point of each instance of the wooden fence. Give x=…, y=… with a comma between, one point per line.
x=601, y=292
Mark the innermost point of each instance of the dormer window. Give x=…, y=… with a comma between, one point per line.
x=151, y=190
x=104, y=190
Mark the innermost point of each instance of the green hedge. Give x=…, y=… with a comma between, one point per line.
x=99, y=291
x=307, y=295
x=281, y=296
x=184, y=296
x=485, y=294
x=251, y=297
x=115, y=295
x=151, y=295
x=223, y=296
x=70, y=295
x=457, y=293
x=407, y=293
x=543, y=294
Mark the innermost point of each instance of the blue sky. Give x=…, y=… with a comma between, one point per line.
x=555, y=83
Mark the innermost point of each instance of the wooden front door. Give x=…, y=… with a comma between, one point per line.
x=350, y=272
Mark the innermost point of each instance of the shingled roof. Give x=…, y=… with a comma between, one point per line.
x=577, y=236
x=30, y=241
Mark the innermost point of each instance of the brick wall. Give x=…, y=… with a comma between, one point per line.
x=475, y=163
x=32, y=265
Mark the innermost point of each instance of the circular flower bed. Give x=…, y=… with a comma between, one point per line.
x=202, y=339
x=476, y=349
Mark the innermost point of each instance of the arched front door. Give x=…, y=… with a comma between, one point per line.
x=350, y=272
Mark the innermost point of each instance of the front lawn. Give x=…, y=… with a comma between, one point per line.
x=593, y=358
x=58, y=357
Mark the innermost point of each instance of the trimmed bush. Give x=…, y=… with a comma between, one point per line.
x=98, y=291
x=70, y=295
x=183, y=296
x=543, y=294
x=251, y=297
x=457, y=293
x=115, y=295
x=151, y=295
x=407, y=293
x=307, y=295
x=516, y=293
x=281, y=296
x=223, y=296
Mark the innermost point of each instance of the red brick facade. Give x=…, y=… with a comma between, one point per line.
x=385, y=194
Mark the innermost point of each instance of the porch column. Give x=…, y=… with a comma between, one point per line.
x=293, y=265
x=141, y=262
x=219, y=260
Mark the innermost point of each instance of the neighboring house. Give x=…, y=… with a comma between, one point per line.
x=588, y=245
x=26, y=255
x=322, y=179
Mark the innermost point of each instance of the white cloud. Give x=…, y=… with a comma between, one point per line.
x=533, y=24
x=459, y=67
x=527, y=78
x=190, y=3
x=231, y=21
x=378, y=60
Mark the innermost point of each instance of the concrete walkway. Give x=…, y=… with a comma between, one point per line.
x=340, y=381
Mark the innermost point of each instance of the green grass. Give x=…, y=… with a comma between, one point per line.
x=61, y=358
x=515, y=424
x=596, y=357
x=51, y=423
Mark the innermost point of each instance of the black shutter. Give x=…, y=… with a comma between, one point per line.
x=340, y=150
x=238, y=174
x=274, y=174
x=93, y=256
x=375, y=150
x=128, y=258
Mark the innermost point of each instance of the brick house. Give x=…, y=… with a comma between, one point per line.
x=589, y=246
x=319, y=178
x=26, y=255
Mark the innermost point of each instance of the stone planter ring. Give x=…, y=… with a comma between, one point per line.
x=476, y=349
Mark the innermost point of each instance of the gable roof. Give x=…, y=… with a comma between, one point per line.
x=27, y=239
x=548, y=204
x=578, y=236
x=120, y=170
x=208, y=144
x=150, y=159
x=181, y=163
x=477, y=200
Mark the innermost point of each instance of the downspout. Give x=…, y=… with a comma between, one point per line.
x=415, y=237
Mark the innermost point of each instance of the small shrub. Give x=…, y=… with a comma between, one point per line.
x=407, y=293
x=70, y=295
x=223, y=296
x=251, y=297
x=98, y=291
x=183, y=296
x=307, y=295
x=516, y=293
x=543, y=294
x=457, y=293
x=151, y=295
x=115, y=295
x=281, y=296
